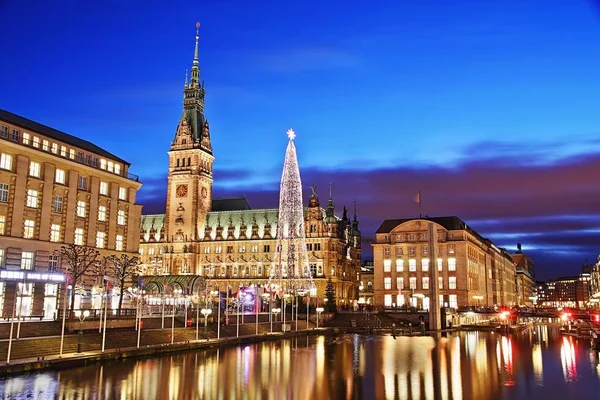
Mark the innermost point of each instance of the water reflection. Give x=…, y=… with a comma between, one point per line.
x=470, y=365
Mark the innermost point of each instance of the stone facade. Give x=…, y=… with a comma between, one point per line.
x=57, y=189
x=472, y=271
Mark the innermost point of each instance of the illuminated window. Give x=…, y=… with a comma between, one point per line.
x=72, y=154
x=399, y=283
x=27, y=258
x=55, y=233
x=79, y=236
x=452, y=282
x=439, y=263
x=440, y=282
x=122, y=193
x=81, y=205
x=3, y=192
x=412, y=282
x=36, y=142
x=45, y=145
x=59, y=176
x=121, y=217
x=242, y=249
x=118, y=169
x=53, y=263
x=104, y=188
x=387, y=265
x=102, y=163
x=399, y=265
x=425, y=264
x=218, y=249
x=63, y=151
x=2, y=225
x=34, y=169
x=6, y=161
x=453, y=301
x=54, y=148
x=100, y=240
x=101, y=213
x=28, y=229
x=450, y=249
x=26, y=138
x=32, y=198
x=119, y=243
x=425, y=282
x=1, y=258
x=387, y=300
x=452, y=264
x=387, y=283
x=412, y=265
x=255, y=248
x=110, y=166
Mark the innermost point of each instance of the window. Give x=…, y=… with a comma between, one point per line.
x=102, y=163
x=254, y=248
x=27, y=260
x=386, y=252
x=79, y=236
x=32, y=198
x=2, y=225
x=242, y=249
x=6, y=161
x=424, y=251
x=398, y=251
x=100, y=240
x=425, y=282
x=440, y=282
x=412, y=282
x=104, y=188
x=218, y=249
x=452, y=282
x=399, y=283
x=206, y=250
x=387, y=300
x=1, y=258
x=55, y=233
x=54, y=148
x=387, y=283
x=411, y=236
x=399, y=265
x=452, y=264
x=313, y=269
x=34, y=169
x=450, y=249
x=88, y=159
x=4, y=192
x=119, y=243
x=317, y=246
x=439, y=263
x=387, y=265
x=36, y=142
x=79, y=156
x=425, y=264
x=53, y=263
x=28, y=229
x=313, y=228
x=72, y=154
x=15, y=135
x=59, y=176
x=101, y=213
x=81, y=208
x=229, y=249
x=121, y=217
x=82, y=183
x=95, y=162
x=122, y=193
x=267, y=248
x=110, y=166
x=453, y=301
x=118, y=169
x=309, y=246
x=45, y=145
x=4, y=131
x=412, y=265
x=412, y=251
x=26, y=138
x=63, y=151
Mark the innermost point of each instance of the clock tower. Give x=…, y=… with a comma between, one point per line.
x=189, y=188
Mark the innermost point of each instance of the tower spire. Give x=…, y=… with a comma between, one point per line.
x=195, y=78
x=354, y=210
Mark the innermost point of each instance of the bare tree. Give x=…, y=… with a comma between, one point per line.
x=124, y=268
x=77, y=259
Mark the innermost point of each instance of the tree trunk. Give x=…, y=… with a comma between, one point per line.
x=72, y=299
x=121, y=292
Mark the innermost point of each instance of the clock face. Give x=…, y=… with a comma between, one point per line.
x=204, y=192
x=181, y=190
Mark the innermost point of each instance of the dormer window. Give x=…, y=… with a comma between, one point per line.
x=183, y=141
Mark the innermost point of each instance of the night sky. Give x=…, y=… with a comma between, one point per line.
x=490, y=109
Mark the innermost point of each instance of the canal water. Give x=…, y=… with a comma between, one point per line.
x=536, y=364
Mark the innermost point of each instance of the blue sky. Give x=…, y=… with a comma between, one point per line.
x=489, y=108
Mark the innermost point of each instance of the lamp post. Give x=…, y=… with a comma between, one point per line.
x=176, y=292
x=81, y=316
x=319, y=311
x=275, y=311
x=206, y=312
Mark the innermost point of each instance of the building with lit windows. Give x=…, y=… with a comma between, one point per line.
x=57, y=189
x=569, y=291
x=225, y=240
x=366, y=288
x=525, y=277
x=472, y=271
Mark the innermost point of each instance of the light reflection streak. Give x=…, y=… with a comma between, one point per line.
x=567, y=358
x=538, y=364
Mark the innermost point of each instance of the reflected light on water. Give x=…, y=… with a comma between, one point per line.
x=567, y=358
x=538, y=364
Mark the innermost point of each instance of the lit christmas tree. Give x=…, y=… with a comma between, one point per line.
x=291, y=272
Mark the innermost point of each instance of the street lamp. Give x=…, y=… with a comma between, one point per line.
x=81, y=316
x=176, y=293
x=319, y=311
x=275, y=311
x=206, y=312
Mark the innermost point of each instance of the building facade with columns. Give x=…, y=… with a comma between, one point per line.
x=471, y=270
x=57, y=189
x=225, y=241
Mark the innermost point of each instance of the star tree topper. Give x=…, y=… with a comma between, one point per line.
x=291, y=134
